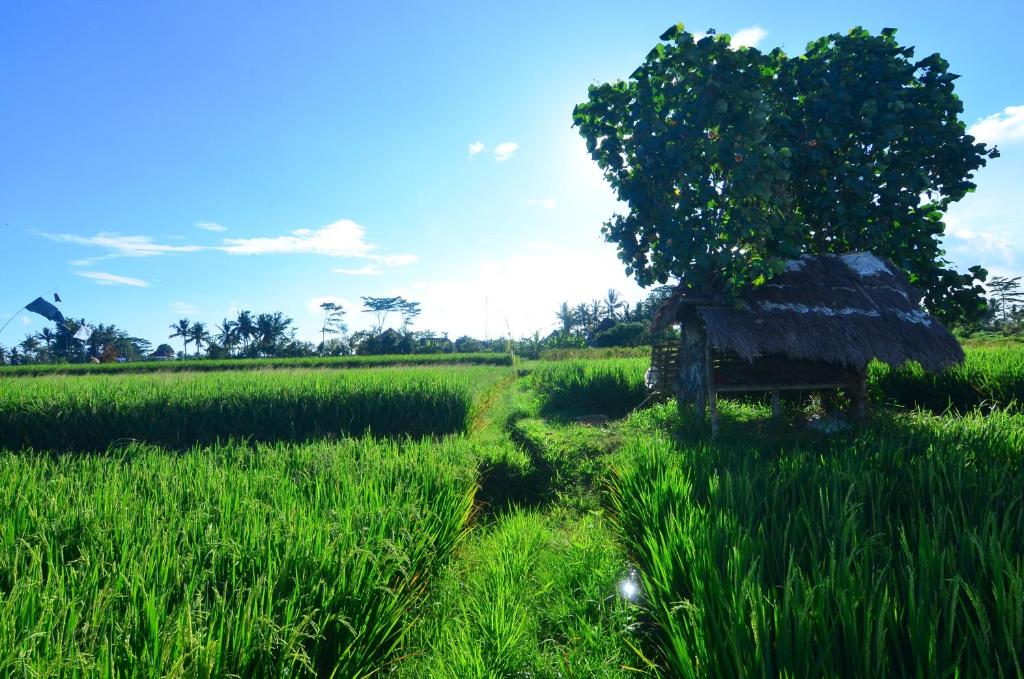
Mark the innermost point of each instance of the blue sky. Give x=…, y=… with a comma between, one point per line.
x=168, y=160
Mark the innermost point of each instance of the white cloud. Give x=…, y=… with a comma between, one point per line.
x=985, y=229
x=476, y=147
x=343, y=238
x=211, y=226
x=525, y=289
x=546, y=203
x=980, y=240
x=748, y=37
x=505, y=150
x=541, y=246
x=25, y=320
x=368, y=270
x=1005, y=127
x=103, y=278
x=184, y=308
x=122, y=246
x=397, y=260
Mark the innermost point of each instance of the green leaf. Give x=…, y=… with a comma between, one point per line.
x=672, y=32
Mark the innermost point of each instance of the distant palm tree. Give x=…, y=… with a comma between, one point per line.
x=47, y=336
x=272, y=330
x=246, y=327
x=182, y=329
x=566, y=316
x=595, y=313
x=227, y=334
x=581, y=315
x=612, y=303
x=200, y=336
x=30, y=346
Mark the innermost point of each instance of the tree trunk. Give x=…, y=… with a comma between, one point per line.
x=692, y=387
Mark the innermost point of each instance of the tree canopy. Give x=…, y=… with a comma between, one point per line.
x=733, y=160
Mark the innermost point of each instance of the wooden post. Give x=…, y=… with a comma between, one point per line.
x=712, y=394
x=776, y=405
x=859, y=395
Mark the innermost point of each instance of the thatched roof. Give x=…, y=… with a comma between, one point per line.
x=845, y=309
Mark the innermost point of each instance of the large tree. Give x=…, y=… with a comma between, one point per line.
x=732, y=160
x=1007, y=295
x=334, y=323
x=409, y=311
x=382, y=307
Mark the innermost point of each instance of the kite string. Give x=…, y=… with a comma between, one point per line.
x=13, y=316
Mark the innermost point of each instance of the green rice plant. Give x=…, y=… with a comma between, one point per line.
x=992, y=376
x=592, y=353
x=92, y=412
x=221, y=365
x=533, y=595
x=611, y=387
x=897, y=551
x=270, y=561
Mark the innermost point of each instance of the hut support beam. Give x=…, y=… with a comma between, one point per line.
x=709, y=365
x=776, y=405
x=859, y=396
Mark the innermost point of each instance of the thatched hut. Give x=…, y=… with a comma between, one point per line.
x=815, y=326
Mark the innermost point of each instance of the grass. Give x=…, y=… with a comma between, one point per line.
x=992, y=376
x=595, y=353
x=897, y=552
x=568, y=460
x=227, y=561
x=611, y=387
x=221, y=365
x=92, y=412
x=533, y=595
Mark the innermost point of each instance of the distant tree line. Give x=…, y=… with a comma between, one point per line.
x=59, y=345
x=607, y=322
x=1004, y=313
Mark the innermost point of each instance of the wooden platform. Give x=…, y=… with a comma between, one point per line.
x=727, y=373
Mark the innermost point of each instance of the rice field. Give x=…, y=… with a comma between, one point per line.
x=897, y=553
x=221, y=365
x=94, y=412
x=484, y=521
x=608, y=386
x=270, y=561
x=992, y=376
